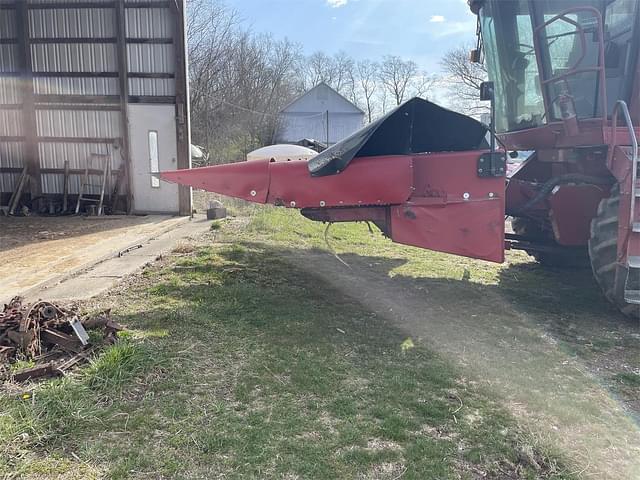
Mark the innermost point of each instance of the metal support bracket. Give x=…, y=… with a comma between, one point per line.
x=492, y=164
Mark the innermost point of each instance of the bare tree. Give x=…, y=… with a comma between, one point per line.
x=337, y=71
x=464, y=79
x=343, y=66
x=396, y=76
x=423, y=84
x=367, y=85
x=320, y=68
x=239, y=81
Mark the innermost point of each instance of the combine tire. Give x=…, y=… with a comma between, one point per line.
x=567, y=258
x=603, y=250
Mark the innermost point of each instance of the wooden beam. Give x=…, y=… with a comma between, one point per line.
x=123, y=83
x=29, y=125
x=85, y=99
x=102, y=99
x=157, y=99
x=150, y=4
x=76, y=74
x=156, y=41
x=101, y=140
x=54, y=40
x=101, y=75
x=70, y=5
x=36, y=140
x=77, y=107
x=182, y=102
x=57, y=171
x=151, y=75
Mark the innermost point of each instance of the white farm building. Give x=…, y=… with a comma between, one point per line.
x=321, y=114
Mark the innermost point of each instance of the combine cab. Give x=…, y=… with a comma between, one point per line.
x=562, y=75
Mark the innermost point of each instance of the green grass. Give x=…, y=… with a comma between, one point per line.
x=628, y=379
x=237, y=365
x=567, y=303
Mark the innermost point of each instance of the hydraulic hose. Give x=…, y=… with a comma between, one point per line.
x=547, y=188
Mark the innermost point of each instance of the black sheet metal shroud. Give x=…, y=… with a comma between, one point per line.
x=416, y=126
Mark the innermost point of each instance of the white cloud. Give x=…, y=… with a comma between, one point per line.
x=437, y=19
x=337, y=3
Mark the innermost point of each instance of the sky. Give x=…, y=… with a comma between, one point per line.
x=419, y=30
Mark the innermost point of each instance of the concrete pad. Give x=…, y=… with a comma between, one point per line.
x=30, y=269
x=109, y=272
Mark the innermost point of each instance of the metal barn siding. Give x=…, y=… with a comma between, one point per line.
x=310, y=114
x=69, y=71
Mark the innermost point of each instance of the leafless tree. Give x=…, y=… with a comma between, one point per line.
x=396, y=76
x=464, y=79
x=367, y=85
x=344, y=67
x=423, y=84
x=239, y=81
x=320, y=68
x=337, y=71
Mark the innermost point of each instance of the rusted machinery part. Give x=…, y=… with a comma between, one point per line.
x=603, y=250
x=562, y=257
x=569, y=178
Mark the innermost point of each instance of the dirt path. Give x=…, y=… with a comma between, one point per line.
x=549, y=390
x=39, y=249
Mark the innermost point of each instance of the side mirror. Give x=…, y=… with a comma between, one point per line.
x=486, y=91
x=474, y=56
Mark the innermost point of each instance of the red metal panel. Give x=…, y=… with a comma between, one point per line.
x=572, y=209
x=368, y=181
x=246, y=180
x=553, y=135
x=472, y=229
x=453, y=176
x=452, y=209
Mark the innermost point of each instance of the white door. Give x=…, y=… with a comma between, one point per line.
x=153, y=146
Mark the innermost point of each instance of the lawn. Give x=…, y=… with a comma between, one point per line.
x=238, y=365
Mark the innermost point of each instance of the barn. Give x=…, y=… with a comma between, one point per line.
x=321, y=114
x=93, y=101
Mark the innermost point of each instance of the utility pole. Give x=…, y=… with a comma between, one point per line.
x=327, y=128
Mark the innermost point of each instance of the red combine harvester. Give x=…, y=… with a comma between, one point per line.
x=562, y=75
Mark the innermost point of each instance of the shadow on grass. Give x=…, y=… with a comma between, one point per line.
x=564, y=304
x=301, y=372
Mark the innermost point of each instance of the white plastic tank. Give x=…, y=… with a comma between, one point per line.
x=282, y=153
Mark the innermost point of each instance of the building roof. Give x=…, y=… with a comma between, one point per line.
x=291, y=107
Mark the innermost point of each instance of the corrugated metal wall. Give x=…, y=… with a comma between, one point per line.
x=73, y=81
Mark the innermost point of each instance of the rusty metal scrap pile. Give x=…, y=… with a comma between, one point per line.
x=53, y=337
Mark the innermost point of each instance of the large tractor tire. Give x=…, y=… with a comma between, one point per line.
x=603, y=251
x=566, y=258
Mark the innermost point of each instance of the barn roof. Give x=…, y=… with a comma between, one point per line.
x=322, y=85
